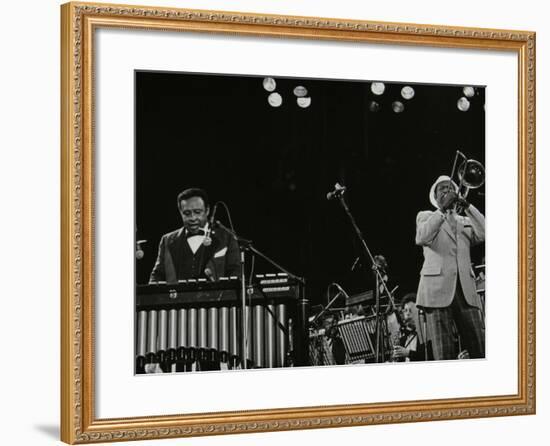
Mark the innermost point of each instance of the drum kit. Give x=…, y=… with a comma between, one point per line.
x=347, y=334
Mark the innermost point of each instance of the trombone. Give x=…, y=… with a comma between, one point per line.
x=470, y=173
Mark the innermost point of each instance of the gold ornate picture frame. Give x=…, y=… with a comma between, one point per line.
x=80, y=23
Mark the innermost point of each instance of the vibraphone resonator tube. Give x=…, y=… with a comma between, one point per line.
x=197, y=325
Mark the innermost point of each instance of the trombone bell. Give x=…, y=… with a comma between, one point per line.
x=471, y=174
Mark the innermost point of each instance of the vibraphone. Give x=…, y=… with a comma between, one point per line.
x=196, y=324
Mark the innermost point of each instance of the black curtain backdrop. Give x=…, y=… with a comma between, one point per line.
x=274, y=167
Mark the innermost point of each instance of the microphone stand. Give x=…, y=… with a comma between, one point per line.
x=377, y=275
x=250, y=247
x=246, y=245
x=338, y=294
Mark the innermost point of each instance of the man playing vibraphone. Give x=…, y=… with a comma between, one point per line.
x=194, y=251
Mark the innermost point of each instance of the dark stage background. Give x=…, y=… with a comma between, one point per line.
x=274, y=167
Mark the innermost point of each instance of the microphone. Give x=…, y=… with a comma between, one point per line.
x=209, y=274
x=139, y=250
x=337, y=192
x=207, y=240
x=340, y=289
x=213, y=215
x=355, y=263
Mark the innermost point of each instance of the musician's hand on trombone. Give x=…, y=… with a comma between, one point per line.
x=462, y=203
x=448, y=200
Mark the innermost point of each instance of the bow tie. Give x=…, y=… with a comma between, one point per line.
x=189, y=234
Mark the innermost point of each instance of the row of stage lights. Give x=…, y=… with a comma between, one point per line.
x=275, y=99
x=407, y=93
x=378, y=89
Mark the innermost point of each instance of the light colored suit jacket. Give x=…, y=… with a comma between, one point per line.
x=447, y=256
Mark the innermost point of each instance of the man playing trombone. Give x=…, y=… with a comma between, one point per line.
x=447, y=291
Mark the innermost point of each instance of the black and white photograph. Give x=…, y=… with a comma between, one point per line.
x=280, y=218
x=290, y=222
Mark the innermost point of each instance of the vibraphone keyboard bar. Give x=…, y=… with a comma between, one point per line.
x=197, y=324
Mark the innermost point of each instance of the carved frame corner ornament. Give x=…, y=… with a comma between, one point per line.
x=78, y=22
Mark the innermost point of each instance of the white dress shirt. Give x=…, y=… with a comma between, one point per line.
x=196, y=241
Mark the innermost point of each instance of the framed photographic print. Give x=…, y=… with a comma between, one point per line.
x=275, y=223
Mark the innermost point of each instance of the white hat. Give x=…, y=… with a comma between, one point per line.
x=441, y=179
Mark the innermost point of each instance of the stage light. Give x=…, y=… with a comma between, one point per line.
x=374, y=106
x=397, y=106
x=468, y=91
x=300, y=91
x=377, y=88
x=275, y=99
x=304, y=102
x=407, y=92
x=463, y=104
x=269, y=84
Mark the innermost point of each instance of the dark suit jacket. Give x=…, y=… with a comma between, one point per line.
x=221, y=256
